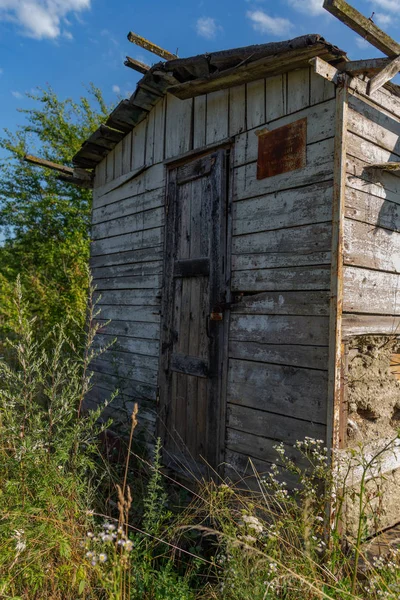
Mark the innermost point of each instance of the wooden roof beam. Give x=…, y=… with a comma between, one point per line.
x=363, y=26
x=136, y=65
x=147, y=45
x=383, y=76
x=41, y=162
x=368, y=65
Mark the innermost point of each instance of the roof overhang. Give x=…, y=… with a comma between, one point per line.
x=190, y=77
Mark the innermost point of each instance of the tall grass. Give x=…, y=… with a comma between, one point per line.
x=277, y=541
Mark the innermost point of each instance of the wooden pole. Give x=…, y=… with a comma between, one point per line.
x=136, y=65
x=41, y=162
x=363, y=26
x=147, y=45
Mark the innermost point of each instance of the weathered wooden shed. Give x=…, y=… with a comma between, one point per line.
x=246, y=250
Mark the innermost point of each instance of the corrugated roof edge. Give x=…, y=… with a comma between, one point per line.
x=188, y=77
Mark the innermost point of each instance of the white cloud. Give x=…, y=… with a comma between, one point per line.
x=207, y=27
x=68, y=35
x=309, y=7
x=40, y=18
x=361, y=43
x=266, y=24
x=383, y=20
x=116, y=89
x=17, y=95
x=390, y=5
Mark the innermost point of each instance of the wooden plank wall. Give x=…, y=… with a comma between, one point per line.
x=281, y=254
x=280, y=260
x=371, y=300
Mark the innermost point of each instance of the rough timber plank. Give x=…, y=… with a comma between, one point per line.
x=368, y=151
x=277, y=427
x=129, y=344
x=310, y=204
x=319, y=168
x=131, y=184
x=237, y=109
x=148, y=219
x=128, y=283
x=255, y=103
x=129, y=206
x=371, y=247
x=256, y=446
x=199, y=121
x=298, y=90
x=376, y=127
x=159, y=130
x=135, y=313
x=310, y=357
x=278, y=389
x=178, y=126
x=127, y=387
x=283, y=303
x=321, y=89
x=370, y=324
x=128, y=257
x=148, y=298
x=133, y=367
x=132, y=269
x=294, y=278
x=217, y=116
x=376, y=182
x=320, y=125
x=276, y=97
x=302, y=245
x=376, y=211
x=382, y=98
x=120, y=243
x=138, y=145
x=371, y=292
x=279, y=329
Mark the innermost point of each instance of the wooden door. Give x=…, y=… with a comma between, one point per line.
x=194, y=318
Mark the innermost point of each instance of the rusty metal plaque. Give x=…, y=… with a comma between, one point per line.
x=282, y=150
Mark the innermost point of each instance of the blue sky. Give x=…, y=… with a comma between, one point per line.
x=69, y=43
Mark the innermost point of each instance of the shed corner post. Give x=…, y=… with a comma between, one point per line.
x=336, y=349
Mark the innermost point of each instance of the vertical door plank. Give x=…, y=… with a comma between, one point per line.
x=110, y=166
x=118, y=160
x=100, y=173
x=150, y=138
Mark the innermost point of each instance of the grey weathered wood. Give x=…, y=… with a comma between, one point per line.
x=371, y=247
x=369, y=325
x=283, y=303
x=128, y=344
x=129, y=387
x=148, y=219
x=376, y=182
x=129, y=206
x=129, y=282
x=366, y=65
x=293, y=278
x=368, y=151
x=189, y=365
x=192, y=267
x=122, y=243
x=146, y=297
x=131, y=184
x=319, y=168
x=320, y=89
x=305, y=244
x=374, y=125
x=277, y=427
x=276, y=97
x=260, y=447
x=150, y=315
x=278, y=389
x=298, y=90
x=217, y=116
x=128, y=257
x=378, y=212
x=199, y=121
x=125, y=270
x=237, y=109
x=311, y=357
x=308, y=204
x=178, y=126
x=320, y=125
x=255, y=103
x=371, y=292
x=279, y=329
